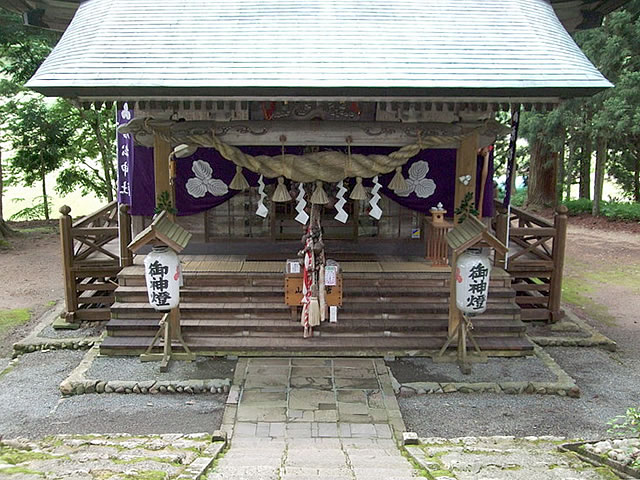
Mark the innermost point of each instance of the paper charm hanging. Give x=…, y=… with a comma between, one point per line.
x=376, y=211
x=418, y=183
x=301, y=203
x=203, y=182
x=262, y=210
x=342, y=215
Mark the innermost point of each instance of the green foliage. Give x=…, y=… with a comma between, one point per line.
x=579, y=206
x=466, y=208
x=624, y=211
x=37, y=211
x=164, y=204
x=519, y=197
x=627, y=424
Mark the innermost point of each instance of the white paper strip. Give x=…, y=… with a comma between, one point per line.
x=302, y=216
x=262, y=210
x=342, y=216
x=375, y=212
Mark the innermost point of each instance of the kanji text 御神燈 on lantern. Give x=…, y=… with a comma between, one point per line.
x=472, y=282
x=162, y=274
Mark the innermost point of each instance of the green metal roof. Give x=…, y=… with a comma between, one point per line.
x=265, y=48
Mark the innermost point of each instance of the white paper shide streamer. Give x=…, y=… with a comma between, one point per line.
x=262, y=210
x=302, y=216
x=342, y=215
x=376, y=211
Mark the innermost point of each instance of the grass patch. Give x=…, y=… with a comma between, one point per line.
x=13, y=456
x=573, y=292
x=12, y=318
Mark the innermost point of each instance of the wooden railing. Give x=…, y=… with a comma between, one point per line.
x=92, y=256
x=535, y=260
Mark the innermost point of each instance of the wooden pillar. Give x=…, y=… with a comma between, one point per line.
x=454, y=313
x=466, y=164
x=559, y=244
x=124, y=235
x=502, y=218
x=66, y=240
x=161, y=152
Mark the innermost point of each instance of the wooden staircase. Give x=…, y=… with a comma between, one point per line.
x=244, y=314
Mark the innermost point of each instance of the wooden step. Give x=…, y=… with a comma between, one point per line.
x=229, y=326
x=325, y=345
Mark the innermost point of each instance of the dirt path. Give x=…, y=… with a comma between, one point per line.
x=602, y=276
x=30, y=277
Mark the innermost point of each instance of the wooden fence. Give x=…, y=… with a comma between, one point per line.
x=535, y=260
x=93, y=252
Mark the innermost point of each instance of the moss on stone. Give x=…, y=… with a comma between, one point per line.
x=146, y=475
x=13, y=456
x=21, y=471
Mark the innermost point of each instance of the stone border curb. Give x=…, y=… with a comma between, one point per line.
x=77, y=383
x=196, y=469
x=595, y=340
x=621, y=470
x=563, y=386
x=33, y=342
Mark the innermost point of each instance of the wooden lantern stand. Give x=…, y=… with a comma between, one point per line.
x=163, y=231
x=169, y=330
x=470, y=233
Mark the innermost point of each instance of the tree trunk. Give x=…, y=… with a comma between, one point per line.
x=601, y=158
x=561, y=169
x=585, y=169
x=636, y=180
x=542, y=176
x=569, y=170
x=107, y=162
x=5, y=231
x=45, y=200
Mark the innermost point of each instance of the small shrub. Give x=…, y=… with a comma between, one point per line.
x=627, y=424
x=519, y=197
x=629, y=212
x=579, y=206
x=36, y=211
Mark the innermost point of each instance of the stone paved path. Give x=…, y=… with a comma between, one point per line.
x=308, y=418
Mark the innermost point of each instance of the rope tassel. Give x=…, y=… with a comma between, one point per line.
x=358, y=192
x=281, y=194
x=398, y=182
x=319, y=196
x=239, y=182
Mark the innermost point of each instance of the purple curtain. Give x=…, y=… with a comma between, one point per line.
x=441, y=172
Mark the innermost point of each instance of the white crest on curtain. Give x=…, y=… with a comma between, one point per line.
x=418, y=183
x=203, y=182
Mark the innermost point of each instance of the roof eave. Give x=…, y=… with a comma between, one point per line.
x=107, y=93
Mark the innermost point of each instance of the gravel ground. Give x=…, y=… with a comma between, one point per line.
x=123, y=368
x=610, y=382
x=33, y=407
x=495, y=370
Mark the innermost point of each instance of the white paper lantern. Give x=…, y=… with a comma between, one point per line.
x=472, y=282
x=163, y=275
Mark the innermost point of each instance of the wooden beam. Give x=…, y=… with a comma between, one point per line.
x=466, y=164
x=161, y=152
x=310, y=133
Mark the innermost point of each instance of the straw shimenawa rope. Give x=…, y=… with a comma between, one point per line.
x=327, y=166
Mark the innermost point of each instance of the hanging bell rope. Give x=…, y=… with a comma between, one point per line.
x=239, y=182
x=319, y=196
